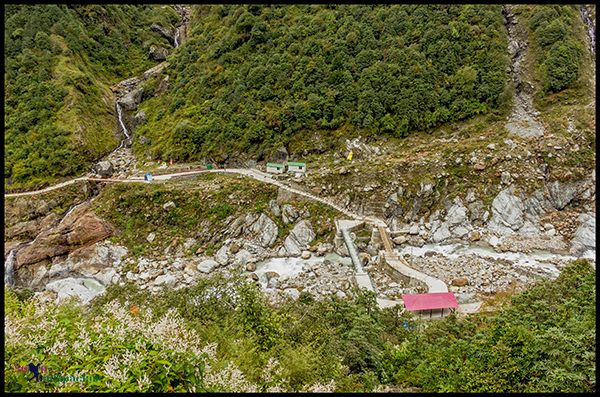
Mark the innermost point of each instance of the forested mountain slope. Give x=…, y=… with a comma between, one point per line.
x=250, y=78
x=256, y=75
x=59, y=62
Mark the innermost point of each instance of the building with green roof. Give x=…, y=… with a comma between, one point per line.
x=275, y=168
x=296, y=167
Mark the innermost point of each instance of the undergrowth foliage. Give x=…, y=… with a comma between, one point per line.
x=221, y=335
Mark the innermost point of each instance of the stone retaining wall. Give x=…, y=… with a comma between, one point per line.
x=397, y=275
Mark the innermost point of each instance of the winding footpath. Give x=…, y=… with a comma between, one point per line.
x=433, y=284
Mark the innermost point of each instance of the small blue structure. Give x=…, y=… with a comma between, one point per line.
x=148, y=178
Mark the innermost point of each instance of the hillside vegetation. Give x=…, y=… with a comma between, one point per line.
x=59, y=62
x=253, y=76
x=220, y=335
x=249, y=78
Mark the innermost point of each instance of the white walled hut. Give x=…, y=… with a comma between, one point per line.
x=296, y=167
x=275, y=168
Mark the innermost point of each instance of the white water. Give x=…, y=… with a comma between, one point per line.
x=120, y=113
x=176, y=36
x=590, y=27
x=9, y=268
x=533, y=260
x=292, y=266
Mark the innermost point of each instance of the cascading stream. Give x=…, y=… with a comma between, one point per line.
x=9, y=268
x=176, y=37
x=591, y=29
x=120, y=113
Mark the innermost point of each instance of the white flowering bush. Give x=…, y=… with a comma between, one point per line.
x=126, y=349
x=123, y=347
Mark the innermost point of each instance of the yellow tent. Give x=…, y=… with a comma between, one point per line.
x=350, y=156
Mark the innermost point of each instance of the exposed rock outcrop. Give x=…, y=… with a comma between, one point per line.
x=456, y=225
x=508, y=214
x=281, y=155
x=262, y=228
x=298, y=239
x=166, y=33
x=158, y=53
x=78, y=227
x=131, y=100
x=154, y=71
x=585, y=235
x=104, y=168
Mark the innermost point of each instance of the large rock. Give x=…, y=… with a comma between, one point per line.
x=507, y=213
x=69, y=287
x=289, y=213
x=80, y=226
x=166, y=279
x=158, y=53
x=166, y=33
x=104, y=168
x=95, y=261
x=456, y=225
x=131, y=100
x=243, y=257
x=561, y=194
x=585, y=235
x=440, y=231
x=281, y=155
x=266, y=229
x=399, y=240
x=457, y=215
x=460, y=282
x=207, y=266
x=299, y=237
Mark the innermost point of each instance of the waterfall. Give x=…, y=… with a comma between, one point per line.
x=591, y=29
x=9, y=268
x=176, y=36
x=120, y=112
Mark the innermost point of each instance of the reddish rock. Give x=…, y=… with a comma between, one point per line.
x=460, y=282
x=317, y=190
x=234, y=249
x=79, y=227
x=11, y=245
x=270, y=275
x=479, y=167
x=24, y=229
x=313, y=248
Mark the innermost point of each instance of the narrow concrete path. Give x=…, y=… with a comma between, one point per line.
x=434, y=285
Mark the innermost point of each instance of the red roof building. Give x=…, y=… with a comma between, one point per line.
x=434, y=300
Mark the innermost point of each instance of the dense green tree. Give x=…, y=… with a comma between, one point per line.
x=561, y=55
